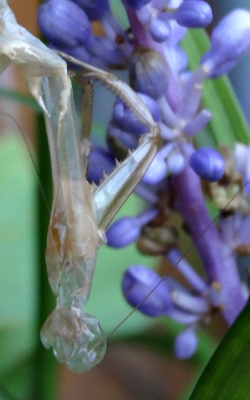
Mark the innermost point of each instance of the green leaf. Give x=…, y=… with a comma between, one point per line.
x=18, y=260
x=228, y=123
x=17, y=364
x=226, y=376
x=120, y=13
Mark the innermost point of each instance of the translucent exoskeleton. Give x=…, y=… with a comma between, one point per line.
x=81, y=212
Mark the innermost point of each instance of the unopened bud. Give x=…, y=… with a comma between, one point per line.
x=148, y=72
x=138, y=282
x=194, y=14
x=230, y=40
x=64, y=24
x=94, y=9
x=185, y=344
x=137, y=4
x=208, y=164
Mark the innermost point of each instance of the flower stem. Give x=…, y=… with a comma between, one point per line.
x=218, y=260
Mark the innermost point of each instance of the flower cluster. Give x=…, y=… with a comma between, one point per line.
x=180, y=174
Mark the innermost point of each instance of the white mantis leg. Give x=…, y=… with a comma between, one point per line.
x=122, y=181
x=80, y=212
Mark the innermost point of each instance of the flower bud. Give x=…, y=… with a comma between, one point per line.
x=126, y=230
x=185, y=344
x=64, y=23
x=94, y=9
x=126, y=119
x=119, y=141
x=106, y=50
x=123, y=232
x=159, y=30
x=176, y=162
x=137, y=4
x=230, y=40
x=208, y=164
x=138, y=282
x=194, y=14
x=217, y=70
x=148, y=72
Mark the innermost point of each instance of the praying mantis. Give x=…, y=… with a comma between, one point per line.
x=81, y=211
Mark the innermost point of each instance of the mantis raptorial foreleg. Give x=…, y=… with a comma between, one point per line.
x=80, y=212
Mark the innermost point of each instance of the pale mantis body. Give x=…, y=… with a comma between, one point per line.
x=80, y=212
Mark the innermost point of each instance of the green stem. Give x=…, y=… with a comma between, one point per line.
x=45, y=362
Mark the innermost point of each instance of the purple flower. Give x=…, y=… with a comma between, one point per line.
x=107, y=51
x=94, y=9
x=64, y=23
x=138, y=282
x=156, y=172
x=230, y=40
x=100, y=161
x=159, y=30
x=123, y=232
x=242, y=164
x=220, y=69
x=194, y=14
x=127, y=230
x=126, y=119
x=208, y=164
x=119, y=141
x=191, y=276
x=136, y=4
x=235, y=230
x=148, y=72
x=185, y=344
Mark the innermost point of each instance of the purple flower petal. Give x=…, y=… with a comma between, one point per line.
x=94, y=9
x=148, y=72
x=156, y=172
x=185, y=344
x=138, y=282
x=137, y=4
x=64, y=23
x=118, y=140
x=100, y=160
x=127, y=230
x=230, y=40
x=194, y=14
x=123, y=232
x=159, y=30
x=126, y=119
x=208, y=164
